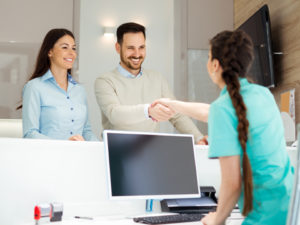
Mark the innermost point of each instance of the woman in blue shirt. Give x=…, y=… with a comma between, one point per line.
x=246, y=134
x=55, y=105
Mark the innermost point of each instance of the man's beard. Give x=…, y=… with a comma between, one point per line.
x=129, y=65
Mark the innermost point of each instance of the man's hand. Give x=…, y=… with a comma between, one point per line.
x=159, y=112
x=76, y=137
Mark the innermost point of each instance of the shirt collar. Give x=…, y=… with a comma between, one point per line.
x=127, y=74
x=70, y=79
x=48, y=75
x=243, y=82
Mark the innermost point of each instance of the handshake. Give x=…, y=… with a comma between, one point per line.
x=163, y=109
x=160, y=110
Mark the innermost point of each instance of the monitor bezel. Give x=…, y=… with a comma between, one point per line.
x=132, y=197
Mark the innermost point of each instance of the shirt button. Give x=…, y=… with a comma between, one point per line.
x=72, y=120
x=68, y=97
x=71, y=132
x=72, y=108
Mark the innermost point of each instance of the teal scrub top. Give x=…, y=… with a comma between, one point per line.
x=271, y=169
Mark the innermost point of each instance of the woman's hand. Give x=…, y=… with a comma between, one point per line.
x=196, y=110
x=164, y=101
x=203, y=141
x=76, y=137
x=209, y=219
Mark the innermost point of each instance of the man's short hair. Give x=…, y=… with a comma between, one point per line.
x=129, y=28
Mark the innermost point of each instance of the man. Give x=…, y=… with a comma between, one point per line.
x=125, y=94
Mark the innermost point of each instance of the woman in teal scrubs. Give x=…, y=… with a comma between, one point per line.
x=246, y=134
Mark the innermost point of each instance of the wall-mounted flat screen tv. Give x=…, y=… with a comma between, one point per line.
x=259, y=29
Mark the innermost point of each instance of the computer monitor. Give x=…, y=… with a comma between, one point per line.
x=150, y=165
x=294, y=210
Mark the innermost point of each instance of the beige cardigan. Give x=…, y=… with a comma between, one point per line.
x=122, y=100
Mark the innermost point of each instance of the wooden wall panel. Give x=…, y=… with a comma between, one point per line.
x=285, y=28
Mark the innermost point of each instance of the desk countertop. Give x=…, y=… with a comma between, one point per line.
x=125, y=221
x=234, y=219
x=74, y=173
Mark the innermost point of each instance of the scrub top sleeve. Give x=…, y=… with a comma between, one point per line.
x=222, y=132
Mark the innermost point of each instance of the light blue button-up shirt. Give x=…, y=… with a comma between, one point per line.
x=49, y=112
x=127, y=74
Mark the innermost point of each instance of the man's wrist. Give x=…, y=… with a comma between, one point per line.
x=146, y=111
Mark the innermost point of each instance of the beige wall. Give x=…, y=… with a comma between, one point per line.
x=23, y=25
x=29, y=21
x=207, y=18
x=285, y=26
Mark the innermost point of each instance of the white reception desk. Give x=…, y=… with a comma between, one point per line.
x=73, y=173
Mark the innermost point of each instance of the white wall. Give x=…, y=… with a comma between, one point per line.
x=97, y=54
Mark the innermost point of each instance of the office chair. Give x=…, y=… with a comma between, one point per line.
x=294, y=210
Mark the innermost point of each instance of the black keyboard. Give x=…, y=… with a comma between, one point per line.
x=176, y=218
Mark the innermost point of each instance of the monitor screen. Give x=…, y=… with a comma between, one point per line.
x=150, y=165
x=259, y=29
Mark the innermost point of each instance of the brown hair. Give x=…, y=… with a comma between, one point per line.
x=234, y=51
x=129, y=28
x=43, y=62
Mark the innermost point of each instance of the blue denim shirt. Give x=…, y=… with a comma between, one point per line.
x=49, y=112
